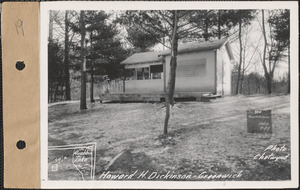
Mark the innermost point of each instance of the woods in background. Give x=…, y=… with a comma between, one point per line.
x=83, y=46
x=263, y=52
x=93, y=43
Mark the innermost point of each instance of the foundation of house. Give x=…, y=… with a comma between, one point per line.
x=158, y=97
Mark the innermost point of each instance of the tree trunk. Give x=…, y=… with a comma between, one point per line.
x=67, y=74
x=83, y=63
x=172, y=75
x=58, y=83
x=55, y=92
x=206, y=31
x=92, y=71
x=49, y=92
x=51, y=25
x=124, y=79
x=240, y=63
x=51, y=98
x=92, y=85
x=219, y=24
x=249, y=89
x=243, y=69
x=258, y=85
x=241, y=83
x=267, y=75
x=289, y=71
x=269, y=83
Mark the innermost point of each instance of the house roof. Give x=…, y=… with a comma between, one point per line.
x=156, y=56
x=198, y=46
x=143, y=57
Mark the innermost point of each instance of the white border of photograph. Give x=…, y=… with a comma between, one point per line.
x=137, y=5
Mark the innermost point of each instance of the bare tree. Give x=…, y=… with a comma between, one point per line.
x=83, y=63
x=92, y=69
x=242, y=17
x=274, y=50
x=66, y=62
x=264, y=54
x=241, y=58
x=59, y=28
x=279, y=20
x=173, y=64
x=249, y=52
x=173, y=24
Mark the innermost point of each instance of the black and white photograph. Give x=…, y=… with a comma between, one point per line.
x=184, y=94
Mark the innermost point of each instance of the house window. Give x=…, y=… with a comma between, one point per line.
x=192, y=68
x=142, y=73
x=152, y=72
x=139, y=74
x=156, y=71
x=146, y=73
x=130, y=73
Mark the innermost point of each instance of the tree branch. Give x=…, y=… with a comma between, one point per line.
x=164, y=17
x=158, y=40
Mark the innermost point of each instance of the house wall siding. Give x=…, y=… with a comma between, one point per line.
x=144, y=86
x=219, y=73
x=194, y=73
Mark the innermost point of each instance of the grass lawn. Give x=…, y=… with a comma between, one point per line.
x=204, y=138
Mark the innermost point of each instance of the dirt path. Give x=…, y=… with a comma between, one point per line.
x=205, y=137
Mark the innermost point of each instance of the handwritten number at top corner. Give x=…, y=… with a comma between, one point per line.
x=19, y=27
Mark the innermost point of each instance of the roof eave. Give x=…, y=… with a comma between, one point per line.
x=229, y=50
x=144, y=62
x=196, y=50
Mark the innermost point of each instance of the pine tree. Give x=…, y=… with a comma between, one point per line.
x=280, y=24
x=83, y=62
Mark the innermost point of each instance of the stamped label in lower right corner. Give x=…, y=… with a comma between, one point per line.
x=259, y=121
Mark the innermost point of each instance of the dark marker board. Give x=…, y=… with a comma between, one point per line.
x=259, y=121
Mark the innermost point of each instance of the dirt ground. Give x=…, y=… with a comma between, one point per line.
x=204, y=137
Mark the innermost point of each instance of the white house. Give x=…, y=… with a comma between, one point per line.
x=202, y=67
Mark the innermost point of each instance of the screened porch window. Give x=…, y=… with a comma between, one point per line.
x=131, y=74
x=156, y=71
x=142, y=73
x=147, y=73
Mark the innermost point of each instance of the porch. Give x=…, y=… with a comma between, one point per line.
x=155, y=97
